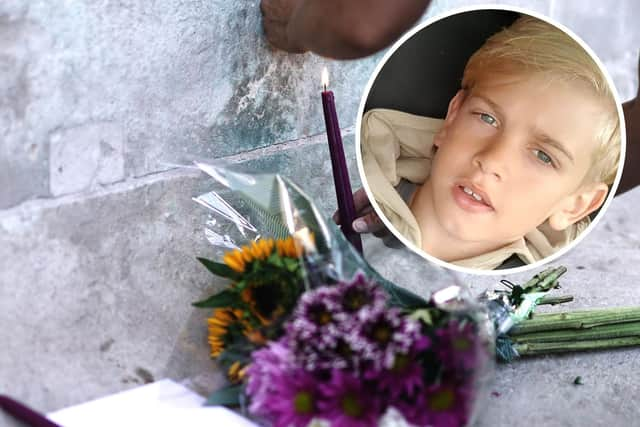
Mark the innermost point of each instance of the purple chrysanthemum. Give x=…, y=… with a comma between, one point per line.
x=268, y=364
x=447, y=405
x=348, y=402
x=316, y=330
x=444, y=405
x=412, y=409
x=295, y=399
x=403, y=379
x=387, y=334
x=361, y=293
x=458, y=345
x=315, y=317
x=324, y=331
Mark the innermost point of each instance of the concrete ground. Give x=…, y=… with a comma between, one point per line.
x=114, y=320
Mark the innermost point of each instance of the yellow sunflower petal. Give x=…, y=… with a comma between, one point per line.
x=246, y=254
x=232, y=373
x=222, y=315
x=242, y=373
x=217, y=330
x=256, y=250
x=267, y=246
x=261, y=249
x=217, y=322
x=231, y=260
x=294, y=249
x=255, y=337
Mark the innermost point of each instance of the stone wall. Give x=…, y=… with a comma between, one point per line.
x=98, y=103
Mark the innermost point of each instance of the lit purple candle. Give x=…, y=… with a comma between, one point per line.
x=346, y=207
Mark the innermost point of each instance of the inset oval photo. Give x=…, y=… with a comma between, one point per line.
x=490, y=140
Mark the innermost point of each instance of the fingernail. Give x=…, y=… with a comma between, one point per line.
x=359, y=225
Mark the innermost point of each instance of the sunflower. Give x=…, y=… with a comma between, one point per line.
x=289, y=248
x=264, y=301
x=220, y=323
x=238, y=259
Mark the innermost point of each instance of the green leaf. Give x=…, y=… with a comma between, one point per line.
x=275, y=260
x=241, y=285
x=218, y=269
x=291, y=264
x=578, y=380
x=424, y=315
x=227, y=396
x=223, y=299
x=237, y=352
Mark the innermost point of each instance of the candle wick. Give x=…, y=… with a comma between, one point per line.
x=324, y=85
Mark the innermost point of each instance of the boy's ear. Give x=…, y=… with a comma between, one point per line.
x=578, y=205
x=452, y=111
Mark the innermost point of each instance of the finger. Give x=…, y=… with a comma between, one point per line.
x=369, y=223
x=360, y=199
x=384, y=231
x=362, y=212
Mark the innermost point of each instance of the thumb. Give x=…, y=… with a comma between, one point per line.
x=369, y=223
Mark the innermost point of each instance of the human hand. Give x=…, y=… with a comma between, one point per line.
x=367, y=220
x=276, y=15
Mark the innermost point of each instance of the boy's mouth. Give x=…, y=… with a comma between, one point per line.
x=471, y=198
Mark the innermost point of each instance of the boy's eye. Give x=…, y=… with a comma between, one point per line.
x=543, y=157
x=488, y=118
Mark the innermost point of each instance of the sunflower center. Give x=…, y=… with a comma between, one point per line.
x=442, y=400
x=351, y=405
x=303, y=402
x=266, y=297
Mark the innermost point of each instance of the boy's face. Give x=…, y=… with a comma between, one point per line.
x=514, y=152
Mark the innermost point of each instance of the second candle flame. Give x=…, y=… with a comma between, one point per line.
x=325, y=78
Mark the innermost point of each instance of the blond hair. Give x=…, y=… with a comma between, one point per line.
x=531, y=45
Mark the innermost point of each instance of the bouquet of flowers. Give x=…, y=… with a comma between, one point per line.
x=310, y=333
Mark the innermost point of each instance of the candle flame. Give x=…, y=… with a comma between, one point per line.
x=325, y=78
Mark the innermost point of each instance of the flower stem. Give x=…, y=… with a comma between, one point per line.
x=546, y=279
x=616, y=330
x=583, y=319
x=532, y=349
x=555, y=300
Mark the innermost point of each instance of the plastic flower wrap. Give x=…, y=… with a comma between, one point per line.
x=310, y=334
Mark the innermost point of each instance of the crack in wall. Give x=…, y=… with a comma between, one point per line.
x=175, y=172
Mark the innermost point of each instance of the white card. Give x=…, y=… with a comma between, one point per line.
x=160, y=404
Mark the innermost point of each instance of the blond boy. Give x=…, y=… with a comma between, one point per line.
x=526, y=152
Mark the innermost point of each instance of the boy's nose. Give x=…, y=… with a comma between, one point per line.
x=493, y=159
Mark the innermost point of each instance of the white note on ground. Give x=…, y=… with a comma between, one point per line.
x=160, y=404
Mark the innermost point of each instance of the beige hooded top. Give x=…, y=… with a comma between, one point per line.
x=397, y=145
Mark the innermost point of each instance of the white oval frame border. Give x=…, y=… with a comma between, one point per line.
x=419, y=251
